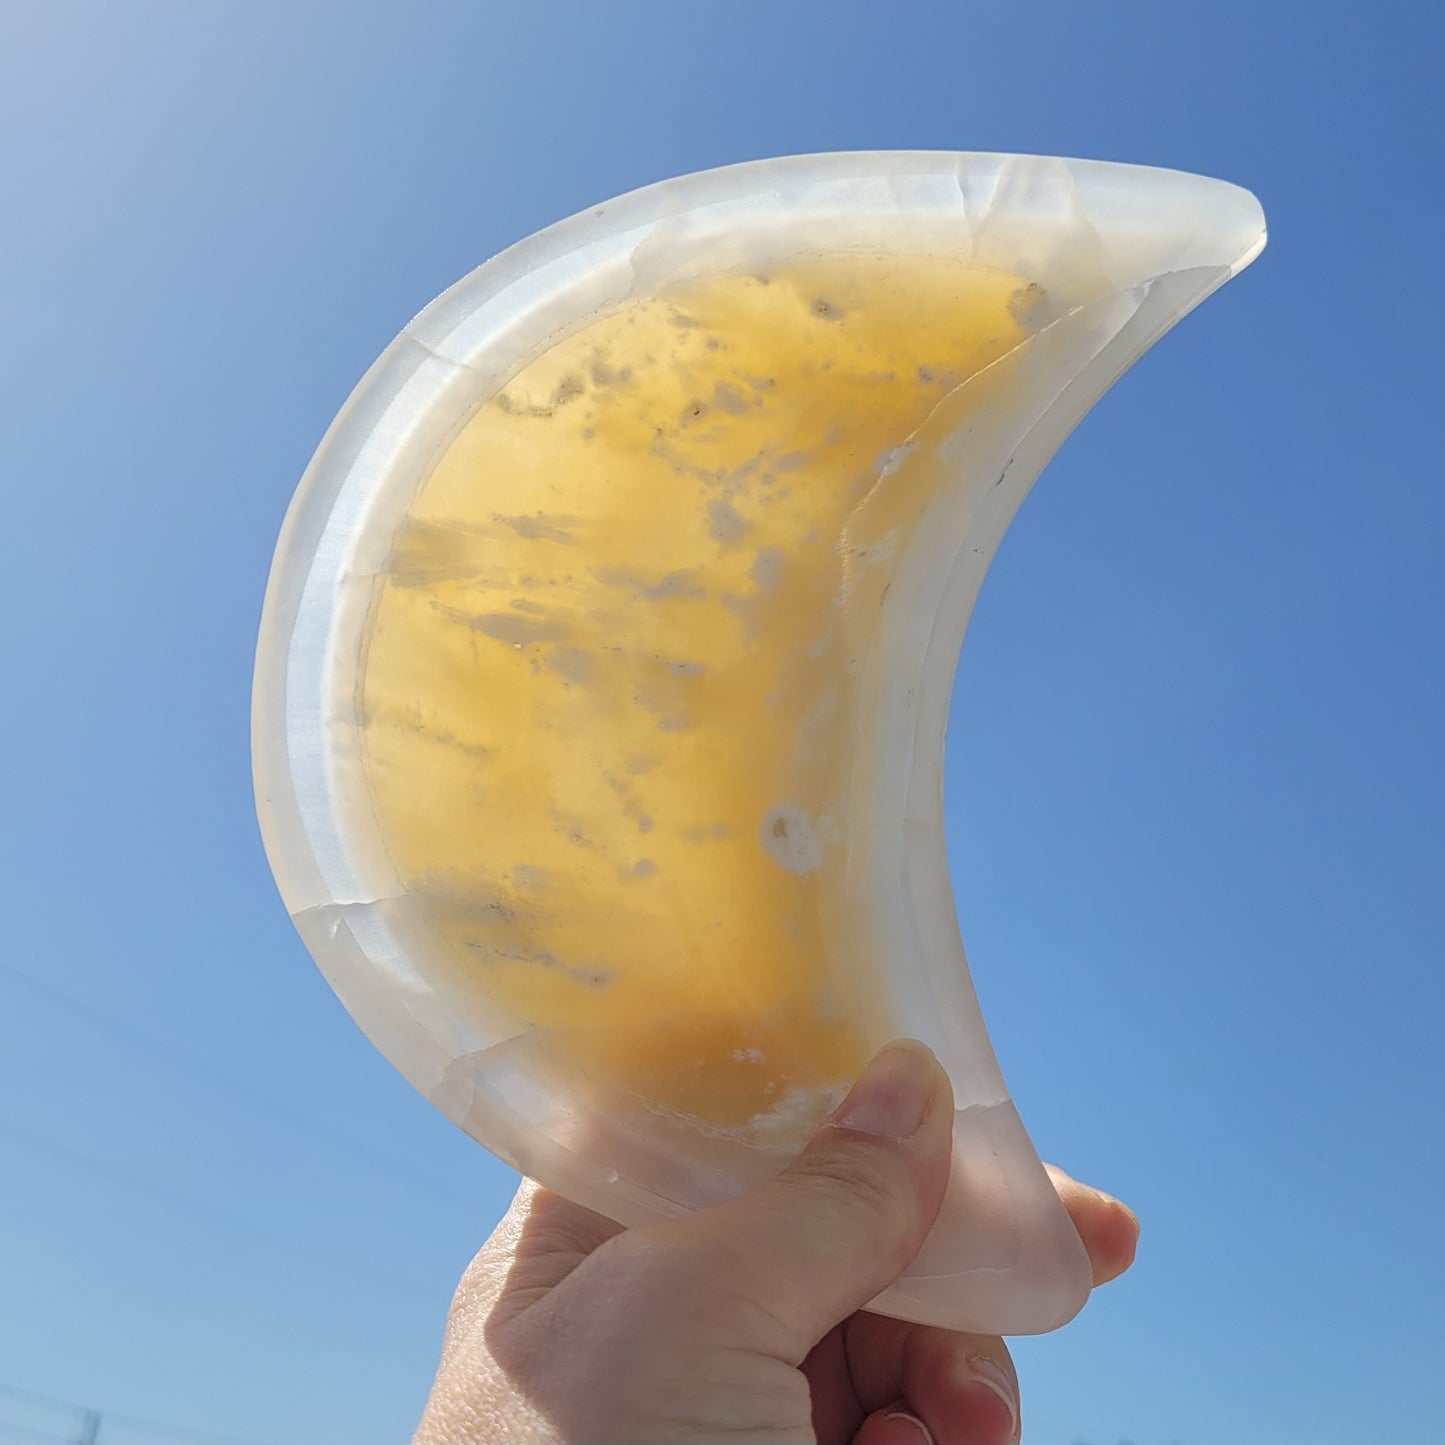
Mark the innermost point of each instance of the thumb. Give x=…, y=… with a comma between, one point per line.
x=841, y=1223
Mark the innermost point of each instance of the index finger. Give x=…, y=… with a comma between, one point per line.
x=1109, y=1228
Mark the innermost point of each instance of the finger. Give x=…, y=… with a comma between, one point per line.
x=1109, y=1228
x=896, y=1425
x=553, y=1225
x=962, y=1387
x=540, y=1240
x=838, y=1226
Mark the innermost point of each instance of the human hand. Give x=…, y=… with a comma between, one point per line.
x=744, y=1322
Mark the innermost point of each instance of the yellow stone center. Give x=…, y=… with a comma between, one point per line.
x=607, y=685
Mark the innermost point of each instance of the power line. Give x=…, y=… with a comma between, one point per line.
x=141, y=1042
x=313, y=1254
x=31, y=1436
x=140, y=1422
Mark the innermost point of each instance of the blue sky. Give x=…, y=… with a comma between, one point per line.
x=1195, y=790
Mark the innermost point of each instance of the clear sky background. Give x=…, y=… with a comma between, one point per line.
x=1195, y=791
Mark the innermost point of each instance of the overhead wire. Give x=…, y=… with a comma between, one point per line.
x=65, y=1002
x=31, y=1435
x=212, y=1213
x=119, y=1417
x=313, y=1254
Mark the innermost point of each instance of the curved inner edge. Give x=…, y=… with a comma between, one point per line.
x=631, y=685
